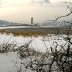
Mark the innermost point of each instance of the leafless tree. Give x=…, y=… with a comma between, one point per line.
x=56, y=60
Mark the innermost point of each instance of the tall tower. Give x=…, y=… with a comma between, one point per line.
x=31, y=20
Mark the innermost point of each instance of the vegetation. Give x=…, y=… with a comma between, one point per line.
x=56, y=59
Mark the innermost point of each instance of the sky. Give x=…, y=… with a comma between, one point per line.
x=22, y=10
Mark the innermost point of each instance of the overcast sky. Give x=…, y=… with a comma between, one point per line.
x=23, y=10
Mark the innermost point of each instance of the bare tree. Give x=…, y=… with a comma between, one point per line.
x=56, y=60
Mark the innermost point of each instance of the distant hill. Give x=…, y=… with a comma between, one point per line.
x=44, y=24
x=7, y=23
x=55, y=24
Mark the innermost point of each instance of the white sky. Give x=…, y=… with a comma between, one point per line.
x=23, y=10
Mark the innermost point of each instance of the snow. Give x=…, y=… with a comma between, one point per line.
x=10, y=62
x=39, y=43
x=6, y=64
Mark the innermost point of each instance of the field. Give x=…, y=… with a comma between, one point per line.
x=35, y=49
x=37, y=31
x=18, y=53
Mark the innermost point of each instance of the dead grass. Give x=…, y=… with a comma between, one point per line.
x=24, y=33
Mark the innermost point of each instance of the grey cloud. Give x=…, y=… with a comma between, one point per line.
x=46, y=1
x=40, y=1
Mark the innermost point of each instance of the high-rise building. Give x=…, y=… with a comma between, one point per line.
x=31, y=20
